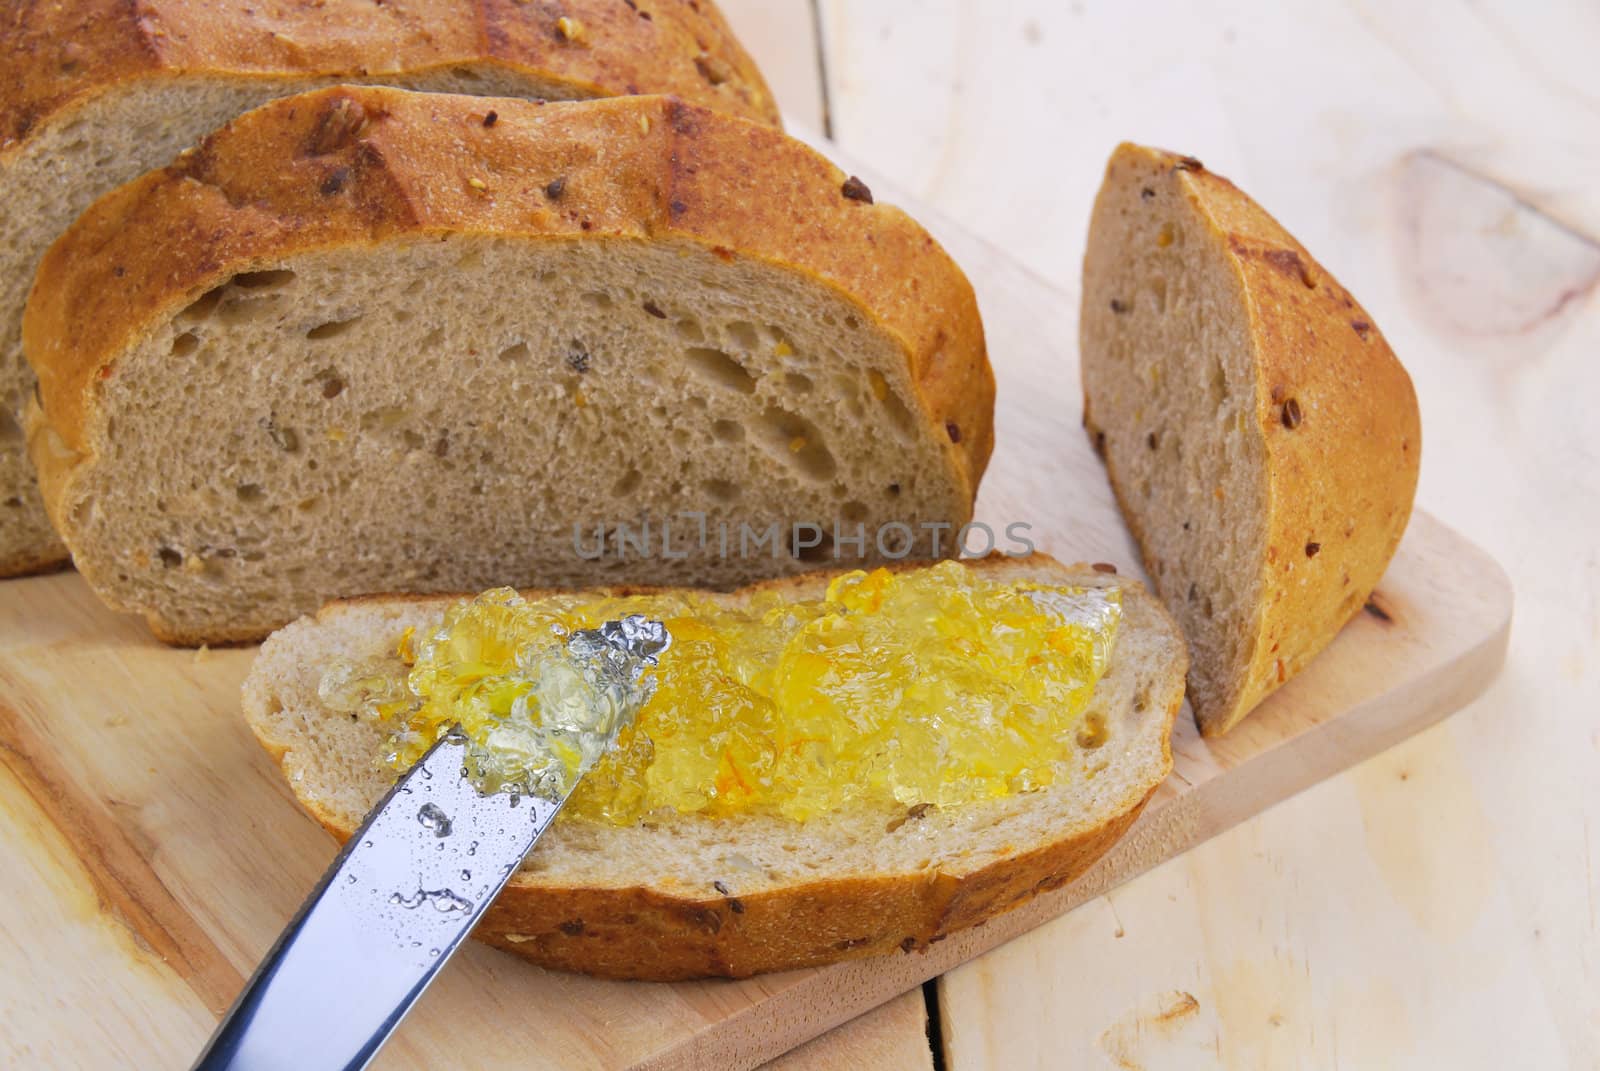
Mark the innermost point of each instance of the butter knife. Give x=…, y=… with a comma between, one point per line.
x=405, y=892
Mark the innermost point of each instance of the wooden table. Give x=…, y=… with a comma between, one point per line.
x=1438, y=905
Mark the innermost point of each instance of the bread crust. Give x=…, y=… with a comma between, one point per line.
x=33, y=563
x=1339, y=418
x=62, y=54
x=360, y=166
x=642, y=933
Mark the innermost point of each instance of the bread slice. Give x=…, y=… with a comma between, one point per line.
x=365, y=340
x=96, y=92
x=687, y=896
x=1261, y=437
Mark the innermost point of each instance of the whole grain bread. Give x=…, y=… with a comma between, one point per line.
x=95, y=92
x=367, y=340
x=1261, y=437
x=680, y=896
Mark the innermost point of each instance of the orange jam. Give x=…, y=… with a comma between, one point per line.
x=932, y=685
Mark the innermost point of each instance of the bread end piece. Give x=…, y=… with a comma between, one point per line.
x=1261, y=437
x=691, y=897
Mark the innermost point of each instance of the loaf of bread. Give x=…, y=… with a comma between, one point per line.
x=1260, y=435
x=96, y=92
x=371, y=340
x=685, y=895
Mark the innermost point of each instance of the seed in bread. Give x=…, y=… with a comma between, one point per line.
x=94, y=93
x=1261, y=437
x=358, y=341
x=680, y=895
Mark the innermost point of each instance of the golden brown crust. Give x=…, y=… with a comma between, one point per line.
x=642, y=933
x=60, y=53
x=353, y=166
x=1342, y=429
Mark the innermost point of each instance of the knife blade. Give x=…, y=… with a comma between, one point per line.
x=403, y=894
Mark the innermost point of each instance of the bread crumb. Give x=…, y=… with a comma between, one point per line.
x=571, y=29
x=202, y=654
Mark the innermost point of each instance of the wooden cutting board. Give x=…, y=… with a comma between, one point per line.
x=153, y=853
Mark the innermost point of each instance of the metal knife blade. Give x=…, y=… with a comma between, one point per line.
x=399, y=899
x=406, y=890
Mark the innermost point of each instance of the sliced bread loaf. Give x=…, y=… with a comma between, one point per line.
x=95, y=92
x=1262, y=439
x=683, y=895
x=371, y=340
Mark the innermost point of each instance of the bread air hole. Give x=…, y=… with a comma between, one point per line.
x=10, y=430
x=728, y=431
x=185, y=344
x=1158, y=294
x=203, y=306
x=628, y=483
x=1092, y=733
x=817, y=555
x=716, y=367
x=250, y=492
x=234, y=310
x=264, y=280
x=518, y=352
x=899, y=416
x=332, y=329
x=1219, y=383
x=389, y=416
x=794, y=439
x=722, y=491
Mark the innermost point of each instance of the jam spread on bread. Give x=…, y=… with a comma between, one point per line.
x=932, y=685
